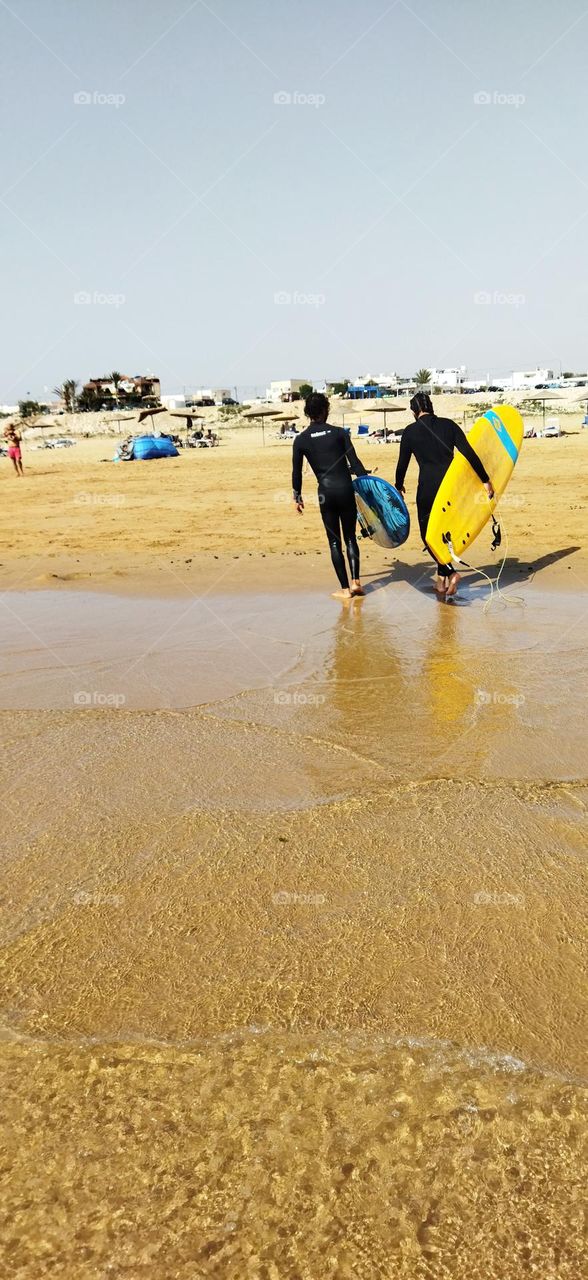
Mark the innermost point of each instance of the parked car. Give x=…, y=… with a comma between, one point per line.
x=63, y=443
x=205, y=403
x=227, y=400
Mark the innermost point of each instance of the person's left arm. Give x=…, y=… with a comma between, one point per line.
x=404, y=457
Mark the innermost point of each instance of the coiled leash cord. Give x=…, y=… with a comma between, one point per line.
x=497, y=595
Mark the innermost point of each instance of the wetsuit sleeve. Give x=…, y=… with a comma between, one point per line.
x=461, y=442
x=297, y=460
x=355, y=464
x=404, y=458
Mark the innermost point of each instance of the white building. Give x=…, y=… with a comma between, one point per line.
x=527, y=378
x=389, y=380
x=278, y=392
x=177, y=401
x=454, y=378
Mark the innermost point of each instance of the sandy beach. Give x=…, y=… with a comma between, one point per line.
x=225, y=515
x=292, y=960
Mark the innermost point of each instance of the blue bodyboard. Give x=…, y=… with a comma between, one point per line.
x=382, y=511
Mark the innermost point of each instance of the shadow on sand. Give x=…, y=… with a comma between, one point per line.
x=514, y=571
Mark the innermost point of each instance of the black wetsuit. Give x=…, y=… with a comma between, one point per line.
x=432, y=441
x=333, y=459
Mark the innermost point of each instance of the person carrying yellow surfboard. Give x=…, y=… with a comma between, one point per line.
x=432, y=441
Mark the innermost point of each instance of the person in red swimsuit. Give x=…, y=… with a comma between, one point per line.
x=13, y=439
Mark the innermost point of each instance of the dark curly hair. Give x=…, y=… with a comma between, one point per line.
x=316, y=407
x=422, y=403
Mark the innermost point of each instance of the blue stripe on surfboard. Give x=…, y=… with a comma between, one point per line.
x=502, y=434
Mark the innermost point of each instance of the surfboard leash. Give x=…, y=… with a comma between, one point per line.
x=496, y=591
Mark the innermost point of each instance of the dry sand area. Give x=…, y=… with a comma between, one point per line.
x=224, y=515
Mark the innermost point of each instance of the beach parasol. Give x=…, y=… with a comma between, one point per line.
x=581, y=398
x=189, y=415
x=114, y=422
x=386, y=408
x=262, y=413
x=541, y=396
x=149, y=413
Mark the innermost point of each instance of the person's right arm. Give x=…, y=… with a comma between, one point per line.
x=356, y=466
x=462, y=443
x=403, y=460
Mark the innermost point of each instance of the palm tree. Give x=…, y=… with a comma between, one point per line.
x=422, y=377
x=68, y=393
x=116, y=377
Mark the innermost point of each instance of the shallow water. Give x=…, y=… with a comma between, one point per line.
x=292, y=939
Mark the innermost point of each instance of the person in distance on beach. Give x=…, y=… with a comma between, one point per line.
x=331, y=455
x=13, y=440
x=432, y=441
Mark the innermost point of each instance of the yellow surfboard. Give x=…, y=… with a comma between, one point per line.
x=462, y=507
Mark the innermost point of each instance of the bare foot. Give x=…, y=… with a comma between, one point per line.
x=454, y=582
x=356, y=588
x=343, y=594
x=440, y=585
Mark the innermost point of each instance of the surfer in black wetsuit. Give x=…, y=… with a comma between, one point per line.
x=331, y=455
x=433, y=440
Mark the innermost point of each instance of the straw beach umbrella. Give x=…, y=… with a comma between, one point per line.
x=262, y=413
x=581, y=398
x=189, y=416
x=540, y=397
x=118, y=418
x=150, y=413
x=386, y=408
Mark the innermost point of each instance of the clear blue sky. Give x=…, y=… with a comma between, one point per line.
x=382, y=200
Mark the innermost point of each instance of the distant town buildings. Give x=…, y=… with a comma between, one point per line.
x=392, y=383
x=529, y=378
x=288, y=389
x=217, y=394
x=452, y=379
x=142, y=389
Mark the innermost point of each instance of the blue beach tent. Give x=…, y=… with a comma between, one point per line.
x=147, y=447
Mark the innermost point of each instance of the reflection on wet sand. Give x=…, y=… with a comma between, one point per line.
x=292, y=963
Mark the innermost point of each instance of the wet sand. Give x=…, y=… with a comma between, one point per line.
x=292, y=953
